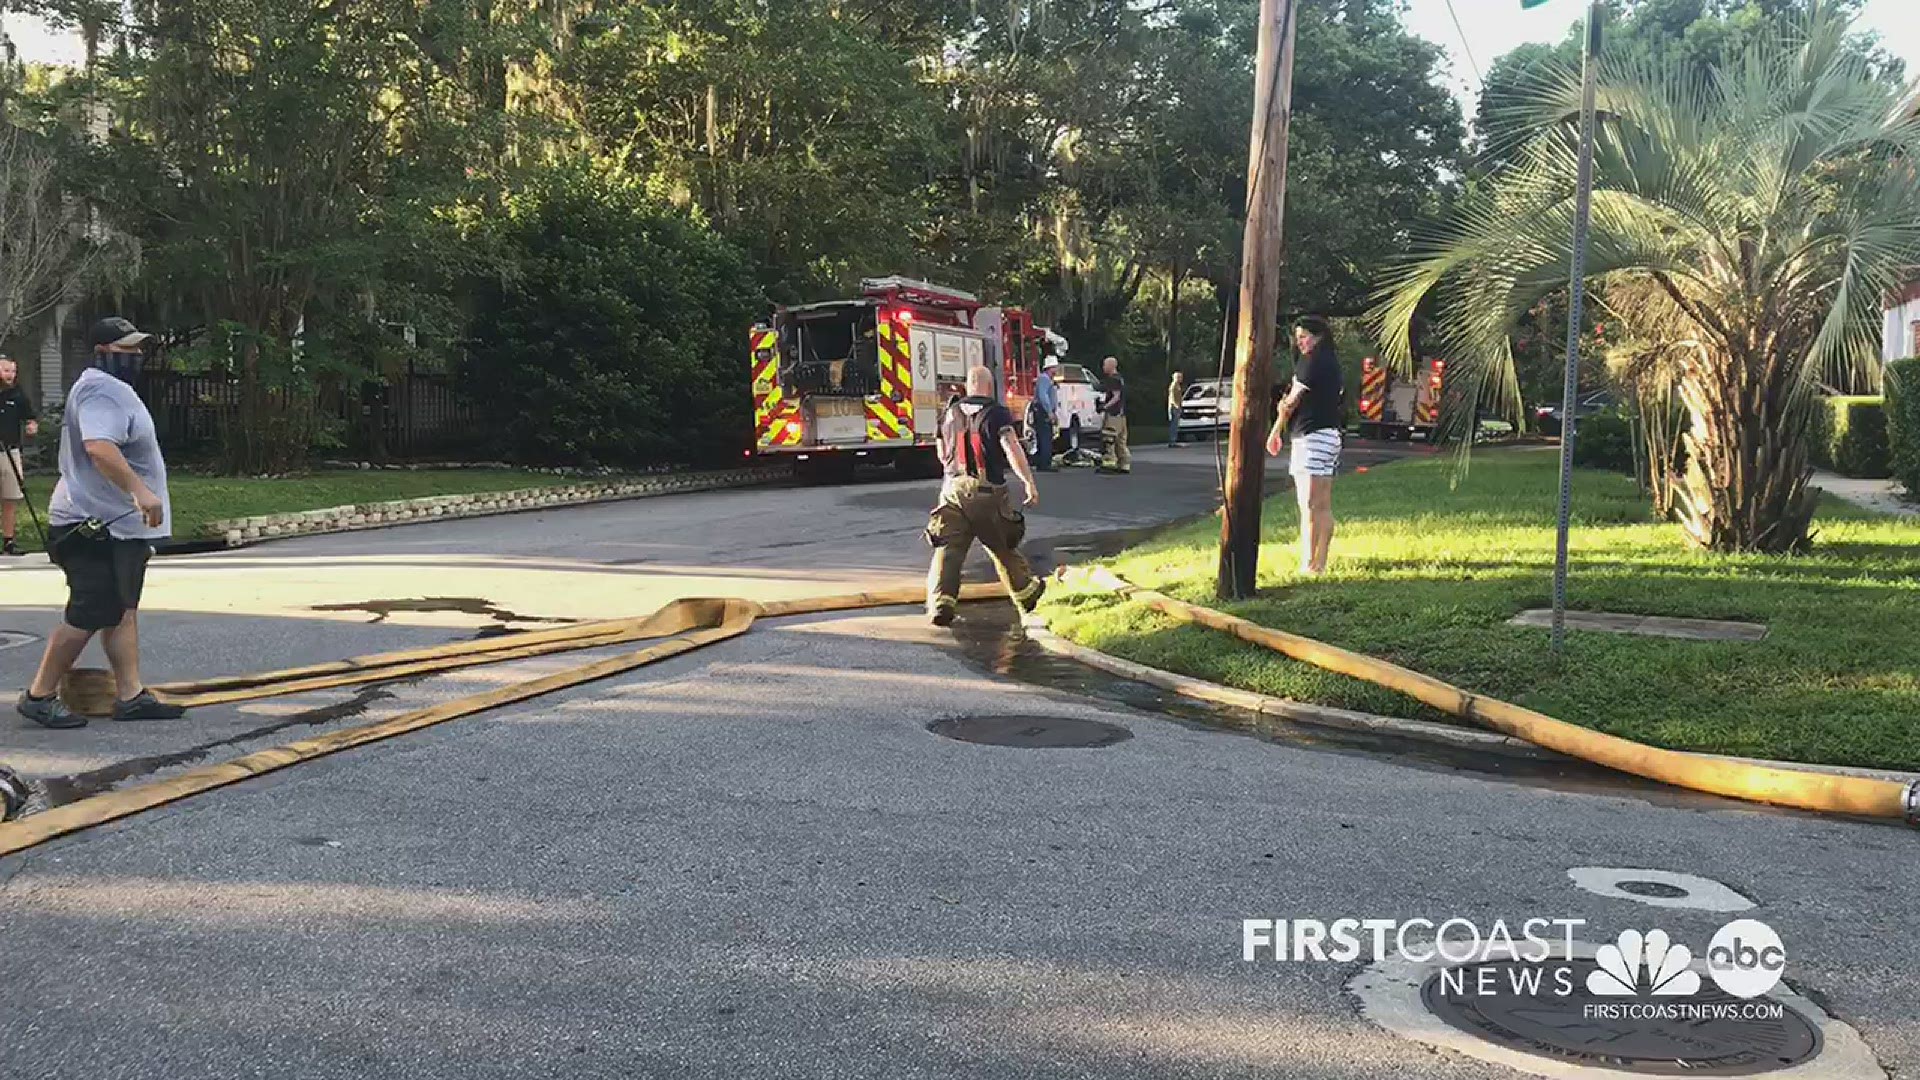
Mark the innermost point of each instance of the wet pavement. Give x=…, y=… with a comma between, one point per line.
x=988, y=641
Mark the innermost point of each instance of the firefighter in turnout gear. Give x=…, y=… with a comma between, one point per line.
x=978, y=446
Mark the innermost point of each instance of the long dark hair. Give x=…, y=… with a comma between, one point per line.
x=1322, y=332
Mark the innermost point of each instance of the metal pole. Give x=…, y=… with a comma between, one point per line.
x=1570, y=391
x=1259, y=302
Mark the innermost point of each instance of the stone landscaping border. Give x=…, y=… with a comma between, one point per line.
x=240, y=532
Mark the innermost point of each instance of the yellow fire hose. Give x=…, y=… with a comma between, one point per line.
x=691, y=624
x=1821, y=792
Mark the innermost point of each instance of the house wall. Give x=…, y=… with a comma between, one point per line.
x=1900, y=335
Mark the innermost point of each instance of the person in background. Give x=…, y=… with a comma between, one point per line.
x=1311, y=413
x=1115, y=456
x=1044, y=414
x=1176, y=390
x=17, y=419
x=978, y=448
x=109, y=507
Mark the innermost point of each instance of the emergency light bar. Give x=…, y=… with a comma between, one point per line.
x=919, y=292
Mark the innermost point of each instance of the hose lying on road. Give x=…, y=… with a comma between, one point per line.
x=1822, y=792
x=691, y=624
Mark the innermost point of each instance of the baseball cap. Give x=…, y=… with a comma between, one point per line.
x=1050, y=362
x=115, y=331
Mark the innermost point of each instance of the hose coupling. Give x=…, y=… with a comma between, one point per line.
x=14, y=794
x=1912, y=804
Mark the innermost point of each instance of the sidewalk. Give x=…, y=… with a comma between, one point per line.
x=1880, y=496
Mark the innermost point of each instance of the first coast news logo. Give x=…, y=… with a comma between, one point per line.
x=1640, y=975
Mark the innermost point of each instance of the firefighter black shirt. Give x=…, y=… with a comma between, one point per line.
x=15, y=411
x=965, y=455
x=1322, y=409
x=1113, y=395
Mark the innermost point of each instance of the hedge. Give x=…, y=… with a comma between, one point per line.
x=1903, y=422
x=1604, y=441
x=1850, y=437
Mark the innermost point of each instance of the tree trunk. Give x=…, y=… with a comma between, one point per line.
x=1746, y=484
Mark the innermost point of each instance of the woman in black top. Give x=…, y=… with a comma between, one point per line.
x=1311, y=415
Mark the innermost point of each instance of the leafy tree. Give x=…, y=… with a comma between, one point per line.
x=1750, y=222
x=42, y=254
x=800, y=130
x=1699, y=36
x=617, y=333
x=1133, y=168
x=280, y=166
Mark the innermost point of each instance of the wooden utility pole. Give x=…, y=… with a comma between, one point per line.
x=1259, y=300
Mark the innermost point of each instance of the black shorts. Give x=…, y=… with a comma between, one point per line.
x=104, y=576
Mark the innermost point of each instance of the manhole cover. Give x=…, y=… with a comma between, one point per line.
x=1659, y=890
x=13, y=639
x=1708, y=1033
x=1031, y=732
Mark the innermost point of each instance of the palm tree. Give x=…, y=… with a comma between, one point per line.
x=1747, y=222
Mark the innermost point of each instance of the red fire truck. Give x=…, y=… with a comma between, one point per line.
x=864, y=380
x=1393, y=407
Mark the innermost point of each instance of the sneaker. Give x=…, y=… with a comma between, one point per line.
x=144, y=706
x=48, y=712
x=9, y=547
x=943, y=614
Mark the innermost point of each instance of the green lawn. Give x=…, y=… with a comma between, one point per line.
x=198, y=500
x=1427, y=576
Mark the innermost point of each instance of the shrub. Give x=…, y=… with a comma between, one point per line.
x=1604, y=441
x=1903, y=423
x=616, y=333
x=1850, y=436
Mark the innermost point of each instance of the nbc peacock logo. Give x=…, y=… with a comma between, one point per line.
x=1649, y=964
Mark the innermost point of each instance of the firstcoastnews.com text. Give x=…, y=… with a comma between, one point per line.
x=1684, y=1012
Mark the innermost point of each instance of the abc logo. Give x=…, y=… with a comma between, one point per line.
x=1746, y=958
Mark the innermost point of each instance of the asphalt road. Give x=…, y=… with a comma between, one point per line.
x=757, y=861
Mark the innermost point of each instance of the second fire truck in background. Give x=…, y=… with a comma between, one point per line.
x=1395, y=407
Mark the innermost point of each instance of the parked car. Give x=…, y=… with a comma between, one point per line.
x=1547, y=417
x=1207, y=409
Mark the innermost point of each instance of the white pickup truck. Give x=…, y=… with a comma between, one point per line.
x=1079, y=399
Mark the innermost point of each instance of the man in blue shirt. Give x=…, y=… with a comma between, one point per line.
x=1043, y=415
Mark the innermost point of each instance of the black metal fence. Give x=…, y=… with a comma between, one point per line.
x=418, y=415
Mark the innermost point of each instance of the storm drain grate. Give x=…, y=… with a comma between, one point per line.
x=1647, y=1040
x=1031, y=732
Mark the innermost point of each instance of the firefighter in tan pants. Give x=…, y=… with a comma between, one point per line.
x=978, y=446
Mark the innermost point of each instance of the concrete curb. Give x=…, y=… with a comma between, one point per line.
x=1342, y=719
x=1294, y=711
x=241, y=532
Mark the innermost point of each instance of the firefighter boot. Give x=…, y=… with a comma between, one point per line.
x=1029, y=598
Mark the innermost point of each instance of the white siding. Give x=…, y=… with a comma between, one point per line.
x=1897, y=336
